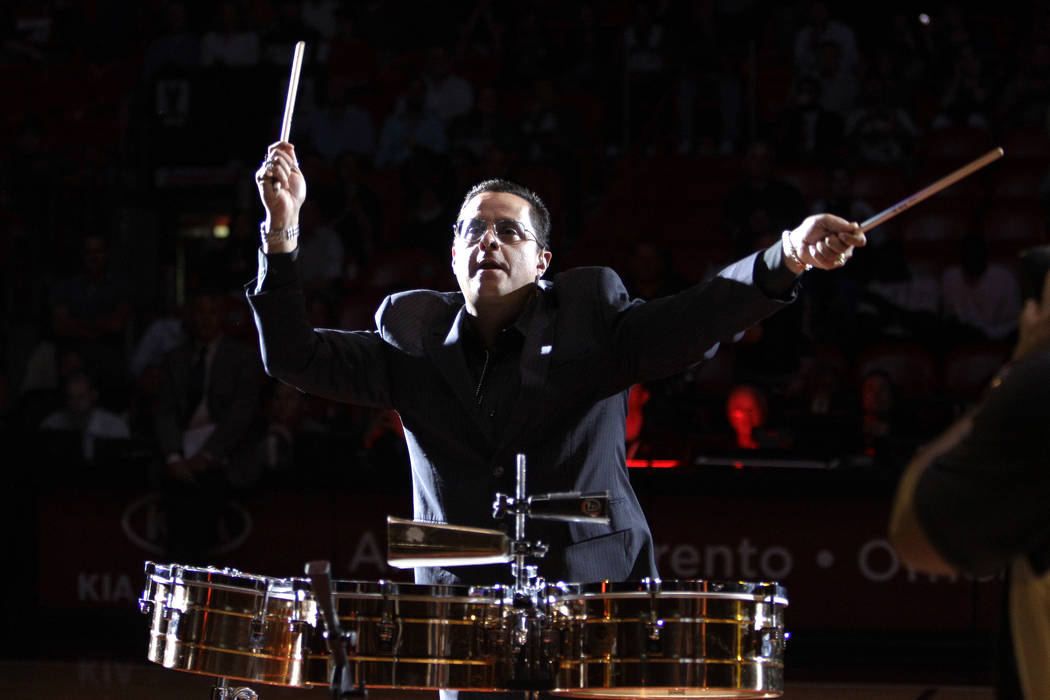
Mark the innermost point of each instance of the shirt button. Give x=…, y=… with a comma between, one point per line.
x=497, y=471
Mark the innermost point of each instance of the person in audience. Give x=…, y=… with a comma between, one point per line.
x=82, y=414
x=91, y=313
x=747, y=409
x=980, y=298
x=206, y=407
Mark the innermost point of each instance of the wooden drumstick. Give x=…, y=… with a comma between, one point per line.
x=293, y=87
x=922, y=194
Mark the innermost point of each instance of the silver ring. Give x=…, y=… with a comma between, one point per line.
x=842, y=258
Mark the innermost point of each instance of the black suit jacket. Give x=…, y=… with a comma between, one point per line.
x=586, y=342
x=232, y=395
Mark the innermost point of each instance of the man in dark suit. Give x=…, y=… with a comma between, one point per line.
x=516, y=364
x=207, y=402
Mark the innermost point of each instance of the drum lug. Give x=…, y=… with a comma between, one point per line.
x=387, y=632
x=146, y=606
x=257, y=634
x=172, y=616
x=222, y=691
x=653, y=628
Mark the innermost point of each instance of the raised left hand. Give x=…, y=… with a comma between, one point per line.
x=824, y=241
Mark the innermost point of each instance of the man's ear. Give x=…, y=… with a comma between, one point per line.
x=542, y=263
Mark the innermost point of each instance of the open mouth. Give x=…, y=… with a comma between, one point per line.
x=489, y=265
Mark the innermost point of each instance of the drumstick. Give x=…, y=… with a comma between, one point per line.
x=293, y=87
x=922, y=194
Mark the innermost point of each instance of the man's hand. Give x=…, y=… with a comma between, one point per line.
x=186, y=470
x=282, y=189
x=1033, y=326
x=824, y=241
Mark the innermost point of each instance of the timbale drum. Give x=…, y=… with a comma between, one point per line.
x=226, y=623
x=652, y=638
x=415, y=636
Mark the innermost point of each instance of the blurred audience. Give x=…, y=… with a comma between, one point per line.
x=83, y=416
x=747, y=410
x=90, y=314
x=762, y=204
x=390, y=131
x=980, y=298
x=449, y=95
x=337, y=125
x=650, y=272
x=208, y=398
x=887, y=433
x=410, y=128
x=229, y=42
x=878, y=131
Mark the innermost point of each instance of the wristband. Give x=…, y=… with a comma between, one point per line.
x=791, y=252
x=276, y=235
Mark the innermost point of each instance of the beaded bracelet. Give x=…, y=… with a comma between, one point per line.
x=792, y=253
x=277, y=235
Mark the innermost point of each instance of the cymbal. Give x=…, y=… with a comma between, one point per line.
x=412, y=543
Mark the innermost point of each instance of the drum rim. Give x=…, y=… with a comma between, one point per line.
x=680, y=588
x=443, y=592
x=225, y=579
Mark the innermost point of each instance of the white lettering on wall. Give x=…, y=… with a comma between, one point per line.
x=724, y=561
x=367, y=553
x=771, y=567
x=877, y=561
x=104, y=587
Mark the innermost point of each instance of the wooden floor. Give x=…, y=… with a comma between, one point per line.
x=110, y=680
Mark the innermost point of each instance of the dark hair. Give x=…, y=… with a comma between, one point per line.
x=541, y=217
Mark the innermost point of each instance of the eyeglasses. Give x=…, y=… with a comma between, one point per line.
x=507, y=231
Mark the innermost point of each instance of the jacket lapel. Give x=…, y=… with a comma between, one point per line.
x=535, y=361
x=447, y=353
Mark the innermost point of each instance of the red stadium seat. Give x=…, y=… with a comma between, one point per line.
x=911, y=367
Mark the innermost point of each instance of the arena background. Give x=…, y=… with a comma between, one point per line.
x=667, y=138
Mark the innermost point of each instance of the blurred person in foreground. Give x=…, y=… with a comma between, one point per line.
x=974, y=500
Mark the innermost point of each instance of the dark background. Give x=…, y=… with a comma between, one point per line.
x=667, y=138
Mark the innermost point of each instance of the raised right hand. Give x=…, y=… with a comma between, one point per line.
x=282, y=187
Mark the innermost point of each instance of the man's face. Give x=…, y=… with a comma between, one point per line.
x=745, y=411
x=489, y=269
x=205, y=318
x=95, y=255
x=80, y=395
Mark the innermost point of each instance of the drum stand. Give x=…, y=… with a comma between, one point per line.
x=222, y=691
x=525, y=621
x=533, y=667
x=342, y=684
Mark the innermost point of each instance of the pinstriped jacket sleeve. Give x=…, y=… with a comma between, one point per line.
x=342, y=365
x=664, y=336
